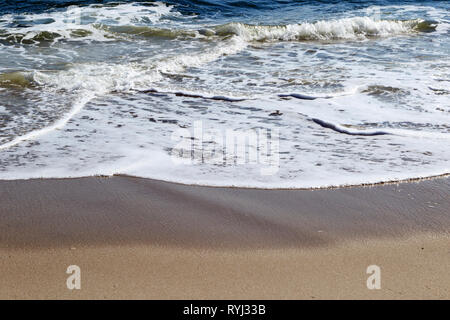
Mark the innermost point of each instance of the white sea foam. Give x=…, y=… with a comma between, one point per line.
x=85, y=22
x=91, y=80
x=180, y=62
x=77, y=106
x=114, y=127
x=93, y=23
x=346, y=28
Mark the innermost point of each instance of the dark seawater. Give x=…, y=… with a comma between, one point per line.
x=226, y=8
x=207, y=7
x=348, y=92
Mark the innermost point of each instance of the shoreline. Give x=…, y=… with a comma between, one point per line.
x=330, y=187
x=148, y=239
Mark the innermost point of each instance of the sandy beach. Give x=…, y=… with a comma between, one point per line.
x=224, y=149
x=141, y=238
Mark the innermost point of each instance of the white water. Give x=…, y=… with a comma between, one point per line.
x=355, y=28
x=363, y=86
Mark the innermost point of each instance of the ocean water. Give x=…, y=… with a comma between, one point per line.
x=269, y=94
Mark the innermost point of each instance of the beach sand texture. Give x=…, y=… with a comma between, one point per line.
x=141, y=238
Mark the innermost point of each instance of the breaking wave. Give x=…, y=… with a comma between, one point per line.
x=356, y=28
x=342, y=29
x=100, y=88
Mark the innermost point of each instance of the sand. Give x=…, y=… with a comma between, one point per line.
x=141, y=238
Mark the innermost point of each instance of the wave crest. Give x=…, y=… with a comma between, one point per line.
x=342, y=29
x=356, y=28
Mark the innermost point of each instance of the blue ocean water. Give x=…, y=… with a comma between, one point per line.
x=349, y=92
x=217, y=7
x=271, y=11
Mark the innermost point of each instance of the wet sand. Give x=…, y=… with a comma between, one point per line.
x=141, y=238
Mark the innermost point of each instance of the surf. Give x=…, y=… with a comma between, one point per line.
x=101, y=89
